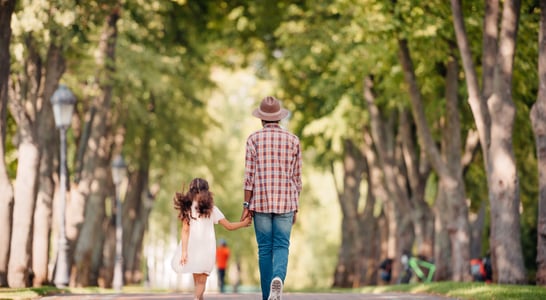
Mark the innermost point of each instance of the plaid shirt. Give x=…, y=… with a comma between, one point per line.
x=273, y=170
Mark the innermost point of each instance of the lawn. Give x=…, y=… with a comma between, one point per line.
x=466, y=290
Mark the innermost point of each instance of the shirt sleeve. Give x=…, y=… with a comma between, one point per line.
x=217, y=215
x=298, y=167
x=250, y=165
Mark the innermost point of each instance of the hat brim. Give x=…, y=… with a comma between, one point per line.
x=283, y=113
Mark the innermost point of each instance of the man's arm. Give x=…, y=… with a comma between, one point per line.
x=297, y=177
x=298, y=169
x=246, y=211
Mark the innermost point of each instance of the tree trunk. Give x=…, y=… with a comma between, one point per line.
x=134, y=208
x=106, y=271
x=390, y=159
x=48, y=136
x=494, y=116
x=347, y=272
x=89, y=247
x=376, y=228
x=31, y=115
x=476, y=228
x=95, y=181
x=29, y=94
x=418, y=171
x=42, y=227
x=405, y=230
x=133, y=211
x=25, y=195
x=6, y=197
x=133, y=270
x=538, y=119
x=442, y=243
x=506, y=253
x=450, y=172
x=381, y=223
x=369, y=256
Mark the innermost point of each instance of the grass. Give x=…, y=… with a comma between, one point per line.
x=464, y=291
x=36, y=293
x=28, y=293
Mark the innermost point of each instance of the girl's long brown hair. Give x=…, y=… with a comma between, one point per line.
x=199, y=191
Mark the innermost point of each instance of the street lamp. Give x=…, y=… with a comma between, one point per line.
x=119, y=171
x=63, y=106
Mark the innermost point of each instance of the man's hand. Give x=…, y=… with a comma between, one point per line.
x=246, y=214
x=247, y=220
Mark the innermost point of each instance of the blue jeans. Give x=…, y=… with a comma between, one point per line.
x=273, y=237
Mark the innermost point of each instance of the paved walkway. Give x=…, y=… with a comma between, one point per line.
x=252, y=296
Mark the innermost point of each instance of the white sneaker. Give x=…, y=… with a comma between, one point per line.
x=275, y=292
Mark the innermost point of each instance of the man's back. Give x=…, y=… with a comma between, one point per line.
x=273, y=169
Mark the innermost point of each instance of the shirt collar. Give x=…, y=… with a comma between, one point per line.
x=271, y=125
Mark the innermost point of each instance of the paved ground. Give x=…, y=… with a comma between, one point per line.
x=250, y=296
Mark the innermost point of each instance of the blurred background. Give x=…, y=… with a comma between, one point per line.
x=422, y=125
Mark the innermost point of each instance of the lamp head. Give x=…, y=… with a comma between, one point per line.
x=119, y=169
x=63, y=101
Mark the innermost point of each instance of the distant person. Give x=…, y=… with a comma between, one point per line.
x=197, y=247
x=272, y=186
x=386, y=270
x=488, y=268
x=222, y=256
x=406, y=274
x=419, y=266
x=477, y=269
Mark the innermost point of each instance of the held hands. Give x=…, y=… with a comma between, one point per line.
x=247, y=220
x=246, y=217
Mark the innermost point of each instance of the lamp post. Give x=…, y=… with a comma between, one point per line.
x=63, y=106
x=119, y=170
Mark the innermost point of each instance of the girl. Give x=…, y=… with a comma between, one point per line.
x=196, y=252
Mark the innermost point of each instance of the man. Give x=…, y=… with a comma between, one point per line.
x=222, y=256
x=272, y=185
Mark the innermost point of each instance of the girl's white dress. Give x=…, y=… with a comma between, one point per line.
x=201, y=244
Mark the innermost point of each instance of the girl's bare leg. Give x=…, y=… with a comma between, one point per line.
x=200, y=282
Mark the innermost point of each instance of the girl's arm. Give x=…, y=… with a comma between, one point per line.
x=185, y=234
x=235, y=225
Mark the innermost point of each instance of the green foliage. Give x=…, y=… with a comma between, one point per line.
x=10, y=157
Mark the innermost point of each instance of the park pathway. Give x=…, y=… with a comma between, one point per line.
x=251, y=296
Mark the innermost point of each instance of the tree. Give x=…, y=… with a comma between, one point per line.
x=96, y=168
x=494, y=111
x=33, y=82
x=451, y=180
x=6, y=199
x=397, y=158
